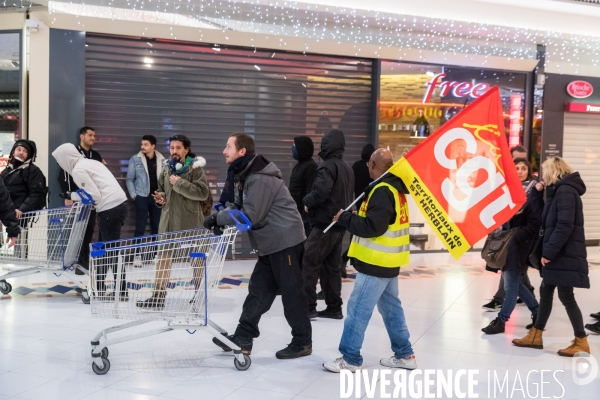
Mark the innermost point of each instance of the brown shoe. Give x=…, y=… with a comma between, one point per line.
x=533, y=339
x=578, y=344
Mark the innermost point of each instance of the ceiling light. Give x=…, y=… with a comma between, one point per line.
x=149, y=44
x=216, y=48
x=257, y=67
x=148, y=60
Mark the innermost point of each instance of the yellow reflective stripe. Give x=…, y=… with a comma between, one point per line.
x=382, y=247
x=395, y=234
x=381, y=259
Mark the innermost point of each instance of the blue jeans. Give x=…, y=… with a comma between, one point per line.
x=515, y=288
x=368, y=292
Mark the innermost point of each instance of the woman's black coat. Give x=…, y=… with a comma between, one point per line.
x=564, y=238
x=527, y=224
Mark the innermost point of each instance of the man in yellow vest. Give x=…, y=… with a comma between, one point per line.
x=380, y=246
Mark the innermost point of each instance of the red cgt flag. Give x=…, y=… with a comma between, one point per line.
x=463, y=177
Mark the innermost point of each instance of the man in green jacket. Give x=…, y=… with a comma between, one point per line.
x=182, y=188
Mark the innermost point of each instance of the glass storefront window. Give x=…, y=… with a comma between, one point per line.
x=416, y=99
x=10, y=86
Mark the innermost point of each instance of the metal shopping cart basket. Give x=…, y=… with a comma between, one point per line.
x=176, y=284
x=50, y=241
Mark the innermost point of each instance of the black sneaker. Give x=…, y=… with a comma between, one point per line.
x=492, y=305
x=294, y=351
x=152, y=302
x=593, y=327
x=519, y=301
x=329, y=313
x=496, y=326
x=595, y=315
x=321, y=295
x=244, y=343
x=313, y=314
x=533, y=319
x=122, y=297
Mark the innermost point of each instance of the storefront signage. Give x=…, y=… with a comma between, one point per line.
x=583, y=108
x=580, y=89
x=456, y=89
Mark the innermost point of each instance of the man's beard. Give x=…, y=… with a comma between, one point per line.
x=176, y=157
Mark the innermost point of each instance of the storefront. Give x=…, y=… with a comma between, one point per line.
x=416, y=99
x=136, y=87
x=571, y=129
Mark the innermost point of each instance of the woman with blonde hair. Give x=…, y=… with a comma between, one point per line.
x=564, y=256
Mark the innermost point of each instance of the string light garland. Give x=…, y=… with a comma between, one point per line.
x=290, y=19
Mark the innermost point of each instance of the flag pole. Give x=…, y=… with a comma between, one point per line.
x=369, y=186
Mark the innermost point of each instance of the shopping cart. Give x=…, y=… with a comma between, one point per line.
x=50, y=241
x=176, y=284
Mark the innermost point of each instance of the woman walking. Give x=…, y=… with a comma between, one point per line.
x=564, y=263
x=527, y=225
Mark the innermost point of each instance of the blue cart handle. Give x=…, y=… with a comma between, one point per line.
x=219, y=206
x=85, y=196
x=242, y=223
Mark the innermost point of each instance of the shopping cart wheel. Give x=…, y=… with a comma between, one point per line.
x=104, y=353
x=85, y=297
x=5, y=287
x=101, y=371
x=245, y=365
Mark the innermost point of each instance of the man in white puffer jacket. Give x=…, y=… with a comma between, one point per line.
x=109, y=199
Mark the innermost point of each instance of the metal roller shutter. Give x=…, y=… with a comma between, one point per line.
x=581, y=150
x=136, y=87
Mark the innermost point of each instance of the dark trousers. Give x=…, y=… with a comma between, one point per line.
x=145, y=207
x=501, y=294
x=84, y=253
x=567, y=298
x=322, y=257
x=110, y=223
x=279, y=271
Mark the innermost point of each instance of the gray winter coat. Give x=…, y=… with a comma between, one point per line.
x=276, y=222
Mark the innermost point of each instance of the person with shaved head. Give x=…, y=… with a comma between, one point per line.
x=380, y=246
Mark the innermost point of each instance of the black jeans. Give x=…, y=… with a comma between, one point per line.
x=567, y=298
x=322, y=257
x=146, y=207
x=110, y=223
x=84, y=253
x=501, y=294
x=277, y=271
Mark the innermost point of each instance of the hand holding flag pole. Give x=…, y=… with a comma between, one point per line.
x=367, y=189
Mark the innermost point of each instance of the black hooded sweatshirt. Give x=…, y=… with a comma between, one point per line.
x=361, y=171
x=333, y=186
x=564, y=237
x=303, y=173
x=25, y=181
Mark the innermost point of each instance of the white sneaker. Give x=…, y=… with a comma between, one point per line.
x=137, y=262
x=339, y=364
x=406, y=363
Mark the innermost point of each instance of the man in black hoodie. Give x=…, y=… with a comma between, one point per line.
x=24, y=180
x=303, y=174
x=332, y=189
x=362, y=179
x=380, y=246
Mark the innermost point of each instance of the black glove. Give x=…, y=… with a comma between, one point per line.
x=210, y=221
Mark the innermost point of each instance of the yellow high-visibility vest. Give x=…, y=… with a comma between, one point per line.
x=392, y=249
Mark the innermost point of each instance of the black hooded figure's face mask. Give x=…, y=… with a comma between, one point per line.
x=294, y=152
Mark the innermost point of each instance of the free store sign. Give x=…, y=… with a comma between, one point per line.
x=456, y=89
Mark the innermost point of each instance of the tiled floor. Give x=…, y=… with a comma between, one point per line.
x=45, y=352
